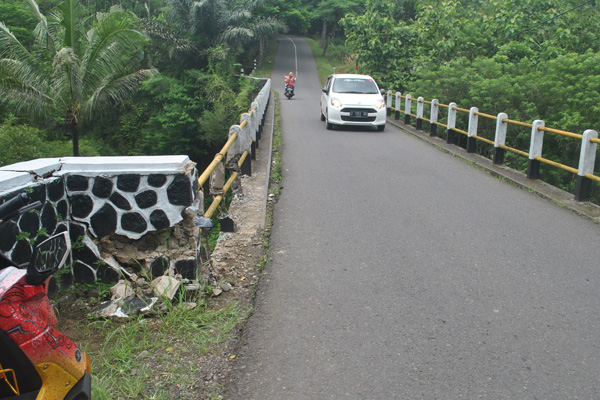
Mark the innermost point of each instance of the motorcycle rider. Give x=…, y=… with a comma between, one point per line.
x=290, y=80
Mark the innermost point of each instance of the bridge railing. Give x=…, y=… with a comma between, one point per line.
x=589, y=139
x=240, y=147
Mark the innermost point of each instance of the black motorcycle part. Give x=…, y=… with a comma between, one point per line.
x=23, y=396
x=5, y=262
x=10, y=206
x=13, y=357
x=82, y=390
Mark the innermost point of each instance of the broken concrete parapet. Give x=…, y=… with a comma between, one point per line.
x=136, y=305
x=122, y=290
x=166, y=286
x=121, y=309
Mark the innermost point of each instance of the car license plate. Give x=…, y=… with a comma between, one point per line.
x=359, y=114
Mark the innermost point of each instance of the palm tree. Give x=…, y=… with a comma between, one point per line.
x=78, y=67
x=220, y=23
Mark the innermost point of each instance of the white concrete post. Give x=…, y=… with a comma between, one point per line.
x=535, y=149
x=433, y=116
x=388, y=103
x=246, y=143
x=246, y=137
x=398, y=105
x=256, y=114
x=451, y=122
x=420, y=101
x=587, y=157
x=587, y=160
x=472, y=131
x=234, y=150
x=500, y=138
x=407, y=108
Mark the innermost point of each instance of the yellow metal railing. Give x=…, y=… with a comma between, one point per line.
x=217, y=200
x=407, y=111
x=221, y=155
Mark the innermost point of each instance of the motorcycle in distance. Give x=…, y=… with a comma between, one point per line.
x=289, y=91
x=36, y=361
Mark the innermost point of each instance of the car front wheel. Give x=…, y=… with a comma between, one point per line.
x=380, y=127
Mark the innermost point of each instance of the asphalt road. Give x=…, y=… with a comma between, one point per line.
x=401, y=272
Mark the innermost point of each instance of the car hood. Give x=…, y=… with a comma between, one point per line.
x=353, y=99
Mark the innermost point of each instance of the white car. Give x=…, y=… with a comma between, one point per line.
x=350, y=99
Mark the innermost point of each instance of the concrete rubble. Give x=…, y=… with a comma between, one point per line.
x=136, y=296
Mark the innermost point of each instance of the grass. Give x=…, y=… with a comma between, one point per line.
x=337, y=61
x=265, y=68
x=151, y=353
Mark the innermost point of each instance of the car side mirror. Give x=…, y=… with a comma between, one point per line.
x=382, y=91
x=325, y=90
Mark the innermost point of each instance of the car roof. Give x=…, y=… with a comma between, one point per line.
x=351, y=76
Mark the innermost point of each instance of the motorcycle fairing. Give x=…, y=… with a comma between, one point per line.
x=28, y=320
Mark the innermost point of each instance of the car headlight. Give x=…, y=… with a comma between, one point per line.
x=335, y=103
x=380, y=104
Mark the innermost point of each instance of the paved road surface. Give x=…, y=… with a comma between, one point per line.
x=401, y=272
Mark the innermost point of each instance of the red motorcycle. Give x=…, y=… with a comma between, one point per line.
x=36, y=361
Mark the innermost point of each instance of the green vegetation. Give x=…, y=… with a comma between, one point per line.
x=166, y=84
x=129, y=79
x=337, y=61
x=534, y=59
x=73, y=69
x=135, y=355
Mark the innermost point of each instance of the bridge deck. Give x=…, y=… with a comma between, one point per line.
x=399, y=271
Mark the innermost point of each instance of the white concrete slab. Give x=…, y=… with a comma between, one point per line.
x=40, y=166
x=10, y=180
x=139, y=164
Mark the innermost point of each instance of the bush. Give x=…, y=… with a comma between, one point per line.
x=28, y=143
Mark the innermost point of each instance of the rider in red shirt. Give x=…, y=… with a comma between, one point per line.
x=290, y=80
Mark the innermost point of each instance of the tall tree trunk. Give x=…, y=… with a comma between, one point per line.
x=329, y=38
x=261, y=50
x=73, y=132
x=324, y=33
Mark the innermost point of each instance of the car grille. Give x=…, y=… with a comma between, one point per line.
x=356, y=109
x=355, y=118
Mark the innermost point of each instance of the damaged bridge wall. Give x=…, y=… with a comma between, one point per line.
x=125, y=215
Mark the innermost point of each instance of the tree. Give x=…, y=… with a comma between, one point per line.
x=330, y=12
x=77, y=67
x=211, y=23
x=382, y=45
x=17, y=18
x=290, y=12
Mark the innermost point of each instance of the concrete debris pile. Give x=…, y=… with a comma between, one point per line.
x=138, y=296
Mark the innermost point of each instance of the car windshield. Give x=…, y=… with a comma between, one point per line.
x=354, y=85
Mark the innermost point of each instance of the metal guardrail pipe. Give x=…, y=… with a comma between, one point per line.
x=486, y=115
x=248, y=129
x=562, y=133
x=218, y=158
x=513, y=122
x=217, y=200
x=589, y=140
